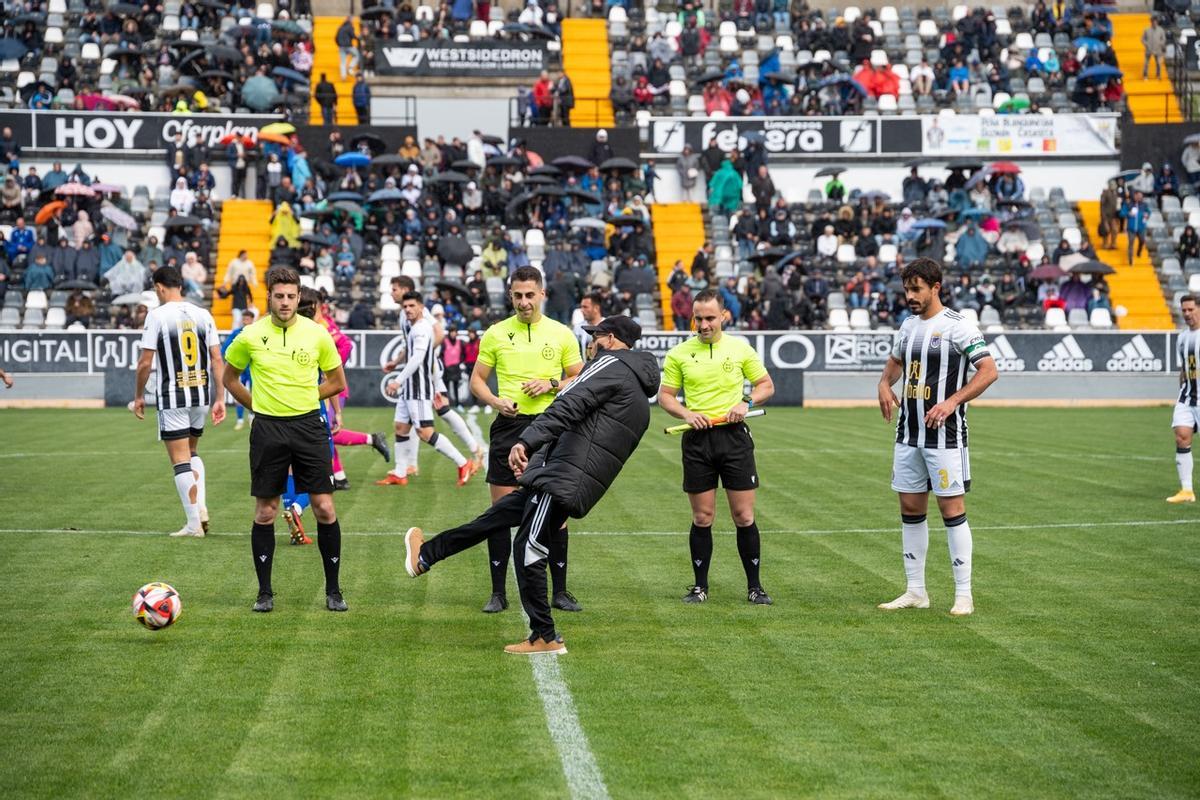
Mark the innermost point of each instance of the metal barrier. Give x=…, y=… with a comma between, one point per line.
x=588, y=106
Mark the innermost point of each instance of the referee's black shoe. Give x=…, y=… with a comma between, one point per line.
x=265, y=602
x=497, y=603
x=334, y=602
x=696, y=594
x=565, y=601
x=379, y=442
x=759, y=597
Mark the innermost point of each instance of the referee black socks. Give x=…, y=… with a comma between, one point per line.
x=750, y=549
x=700, y=543
x=262, y=544
x=329, y=542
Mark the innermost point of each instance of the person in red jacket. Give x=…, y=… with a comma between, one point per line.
x=543, y=98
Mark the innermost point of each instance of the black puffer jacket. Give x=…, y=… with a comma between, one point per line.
x=580, y=442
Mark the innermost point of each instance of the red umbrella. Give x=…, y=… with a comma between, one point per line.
x=1004, y=168
x=1047, y=272
x=74, y=188
x=230, y=138
x=124, y=100
x=48, y=211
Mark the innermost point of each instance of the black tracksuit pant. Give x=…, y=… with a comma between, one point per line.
x=536, y=515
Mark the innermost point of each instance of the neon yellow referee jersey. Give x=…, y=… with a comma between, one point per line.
x=285, y=364
x=712, y=376
x=519, y=353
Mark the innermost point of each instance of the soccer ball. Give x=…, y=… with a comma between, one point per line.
x=157, y=605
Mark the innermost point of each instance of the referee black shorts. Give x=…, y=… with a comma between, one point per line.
x=300, y=443
x=504, y=434
x=724, y=454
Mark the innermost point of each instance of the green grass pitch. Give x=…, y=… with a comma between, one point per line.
x=1078, y=676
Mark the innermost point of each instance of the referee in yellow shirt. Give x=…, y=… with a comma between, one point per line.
x=286, y=354
x=712, y=369
x=534, y=357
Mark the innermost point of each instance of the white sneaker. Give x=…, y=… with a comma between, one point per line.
x=907, y=600
x=186, y=531
x=964, y=606
x=241, y=423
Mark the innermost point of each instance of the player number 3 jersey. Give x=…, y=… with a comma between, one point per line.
x=934, y=354
x=181, y=334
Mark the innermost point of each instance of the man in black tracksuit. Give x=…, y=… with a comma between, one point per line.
x=565, y=461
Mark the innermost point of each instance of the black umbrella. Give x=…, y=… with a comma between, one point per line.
x=324, y=169
x=489, y=139
x=183, y=44
x=965, y=163
x=318, y=213
x=376, y=11
x=78, y=283
x=449, y=176
x=375, y=144
x=584, y=195
x=711, y=75
x=219, y=74
x=181, y=222
x=290, y=74
x=316, y=239
x=21, y=19
x=1092, y=268
x=517, y=202
x=830, y=172
x=350, y=197
x=546, y=169
x=224, y=53
x=220, y=4
x=550, y=191
x=125, y=51
x=619, y=163
x=389, y=161
x=622, y=219
x=455, y=250
x=504, y=161
x=916, y=162
x=541, y=180
x=455, y=288
x=464, y=163
x=195, y=55
x=349, y=207
x=573, y=163
x=769, y=254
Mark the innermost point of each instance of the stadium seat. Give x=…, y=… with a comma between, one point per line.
x=34, y=317
x=10, y=317
x=390, y=268
x=835, y=300
x=1077, y=318
x=54, y=36
x=307, y=281
x=89, y=52
x=989, y=318
x=970, y=315
x=390, y=252
x=1100, y=318
x=860, y=319
x=324, y=282
x=846, y=254
x=1194, y=282
x=478, y=30
x=412, y=269
x=1056, y=320
x=839, y=320
x=37, y=299
x=535, y=244
x=265, y=11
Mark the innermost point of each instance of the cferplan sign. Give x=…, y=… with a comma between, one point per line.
x=116, y=131
x=789, y=355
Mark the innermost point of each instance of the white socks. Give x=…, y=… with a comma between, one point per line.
x=958, y=536
x=459, y=426
x=1183, y=463
x=413, y=451
x=446, y=448
x=400, y=456
x=201, y=494
x=915, y=537
x=185, y=484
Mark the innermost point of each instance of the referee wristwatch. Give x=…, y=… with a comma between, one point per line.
x=554, y=384
x=748, y=400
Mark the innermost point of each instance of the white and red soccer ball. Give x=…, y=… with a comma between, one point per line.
x=157, y=605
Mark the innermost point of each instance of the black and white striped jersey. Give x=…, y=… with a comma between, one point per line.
x=1188, y=352
x=426, y=316
x=418, y=378
x=935, y=353
x=181, y=335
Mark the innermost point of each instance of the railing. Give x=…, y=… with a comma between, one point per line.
x=589, y=107
x=401, y=110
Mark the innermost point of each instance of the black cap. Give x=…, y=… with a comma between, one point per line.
x=624, y=328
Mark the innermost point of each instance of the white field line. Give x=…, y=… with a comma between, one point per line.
x=1137, y=523
x=584, y=781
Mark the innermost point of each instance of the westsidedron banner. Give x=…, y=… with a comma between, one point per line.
x=115, y=131
x=787, y=354
x=481, y=59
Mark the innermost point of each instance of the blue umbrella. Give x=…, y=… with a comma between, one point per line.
x=790, y=257
x=352, y=160
x=291, y=75
x=385, y=196
x=923, y=224
x=1100, y=72
x=975, y=213
x=1092, y=45
x=12, y=48
x=352, y=197
x=1127, y=175
x=843, y=80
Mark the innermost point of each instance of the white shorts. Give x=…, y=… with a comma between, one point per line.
x=1186, y=417
x=415, y=412
x=916, y=470
x=180, y=423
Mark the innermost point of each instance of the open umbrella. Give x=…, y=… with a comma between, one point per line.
x=795, y=255
x=841, y=81
x=876, y=194
x=317, y=239
x=194, y=57
x=348, y=196
x=768, y=254
x=181, y=221
x=1100, y=72
x=385, y=196
x=13, y=49
x=390, y=160
x=47, y=212
x=1014, y=104
x=517, y=203
x=924, y=224
x=546, y=169
x=1047, y=272
x=454, y=287
x=975, y=213
x=1071, y=259
x=107, y=188
x=550, y=191
x=620, y=164
x=349, y=207
x=829, y=172
x=589, y=222
x=284, y=128
x=131, y=299
x=1193, y=139
x=230, y=138
x=78, y=283
x=1092, y=45
x=710, y=75
x=1092, y=268
x=286, y=27
x=119, y=217
x=455, y=250
x=354, y=159
x=73, y=189
x=222, y=52
x=464, y=163
x=259, y=93
x=504, y=161
x=317, y=213
x=584, y=195
x=916, y=162
x=218, y=74
x=541, y=180
x=449, y=176
x=490, y=139
x=578, y=163
x=1128, y=174
x=625, y=219
x=289, y=74
x=375, y=144
x=376, y=11
x=1003, y=168
x=125, y=9
x=967, y=164
x=277, y=138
